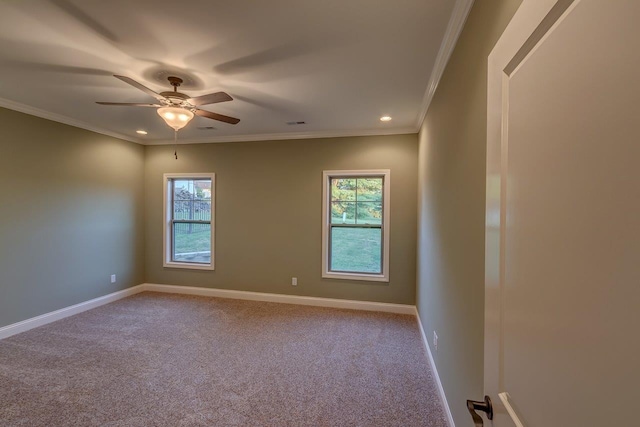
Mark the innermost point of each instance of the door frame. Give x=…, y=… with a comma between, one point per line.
x=530, y=24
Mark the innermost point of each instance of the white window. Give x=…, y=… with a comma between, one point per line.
x=189, y=219
x=355, y=225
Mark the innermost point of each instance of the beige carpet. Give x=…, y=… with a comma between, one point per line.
x=172, y=360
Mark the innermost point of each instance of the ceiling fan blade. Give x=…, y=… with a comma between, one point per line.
x=129, y=104
x=211, y=98
x=139, y=86
x=215, y=116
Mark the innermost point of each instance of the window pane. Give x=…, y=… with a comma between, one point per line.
x=199, y=210
x=202, y=189
x=192, y=243
x=343, y=212
x=202, y=210
x=356, y=250
x=369, y=189
x=369, y=212
x=192, y=199
x=343, y=189
x=185, y=185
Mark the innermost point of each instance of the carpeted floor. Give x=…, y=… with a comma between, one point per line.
x=173, y=360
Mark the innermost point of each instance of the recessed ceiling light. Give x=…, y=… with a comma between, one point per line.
x=385, y=119
x=141, y=132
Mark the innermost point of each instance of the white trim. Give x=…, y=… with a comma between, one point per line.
x=386, y=221
x=458, y=18
x=432, y=363
x=288, y=135
x=512, y=413
x=188, y=265
x=523, y=29
x=166, y=227
x=46, y=318
x=53, y=316
x=23, y=108
x=282, y=298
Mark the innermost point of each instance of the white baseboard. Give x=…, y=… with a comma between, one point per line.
x=44, y=319
x=41, y=320
x=282, y=298
x=432, y=362
x=34, y=322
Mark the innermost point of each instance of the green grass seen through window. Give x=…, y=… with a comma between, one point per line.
x=356, y=250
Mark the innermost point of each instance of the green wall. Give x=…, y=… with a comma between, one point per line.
x=76, y=206
x=268, y=213
x=71, y=213
x=450, y=289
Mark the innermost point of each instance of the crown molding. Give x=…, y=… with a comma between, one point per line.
x=288, y=135
x=16, y=106
x=27, y=109
x=458, y=18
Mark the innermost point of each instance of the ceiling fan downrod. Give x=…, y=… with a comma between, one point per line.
x=175, y=82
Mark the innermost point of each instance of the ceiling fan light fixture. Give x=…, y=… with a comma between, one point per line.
x=175, y=117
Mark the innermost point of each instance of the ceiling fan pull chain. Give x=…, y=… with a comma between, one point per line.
x=175, y=144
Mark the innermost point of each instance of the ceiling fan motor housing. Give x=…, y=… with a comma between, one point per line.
x=175, y=81
x=174, y=97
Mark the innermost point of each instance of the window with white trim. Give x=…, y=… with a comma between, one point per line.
x=355, y=225
x=189, y=213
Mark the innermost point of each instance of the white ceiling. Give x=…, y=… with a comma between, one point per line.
x=338, y=65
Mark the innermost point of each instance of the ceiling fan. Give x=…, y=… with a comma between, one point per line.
x=177, y=108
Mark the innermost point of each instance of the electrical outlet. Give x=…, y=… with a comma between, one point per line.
x=113, y=278
x=294, y=281
x=435, y=341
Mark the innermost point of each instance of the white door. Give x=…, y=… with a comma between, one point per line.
x=562, y=311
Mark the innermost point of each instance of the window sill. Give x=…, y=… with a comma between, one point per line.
x=356, y=276
x=188, y=266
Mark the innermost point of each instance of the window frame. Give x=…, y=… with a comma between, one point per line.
x=327, y=175
x=167, y=229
